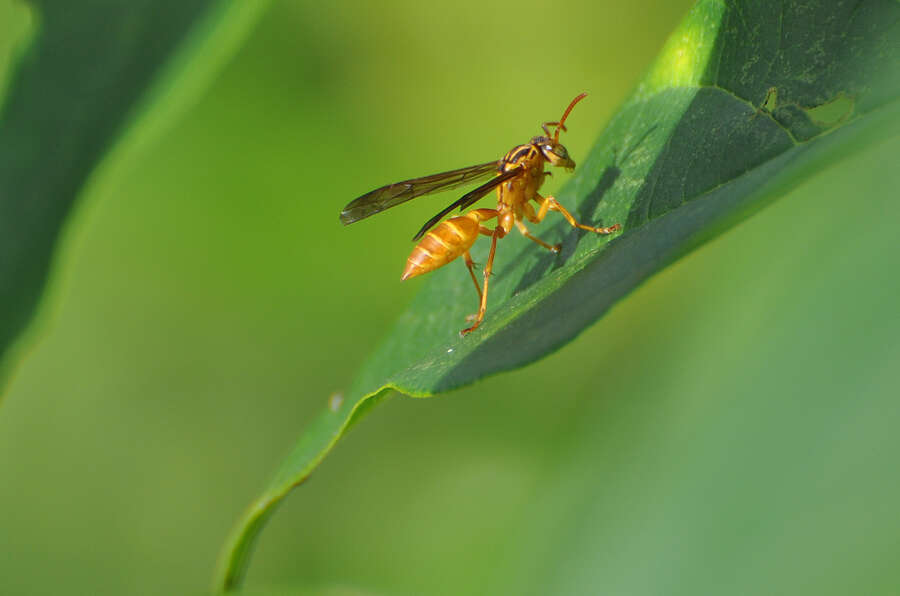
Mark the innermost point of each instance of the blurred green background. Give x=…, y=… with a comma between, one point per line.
x=730, y=427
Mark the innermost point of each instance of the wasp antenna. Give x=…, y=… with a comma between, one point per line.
x=562, y=121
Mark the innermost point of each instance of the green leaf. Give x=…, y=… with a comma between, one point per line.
x=743, y=104
x=78, y=87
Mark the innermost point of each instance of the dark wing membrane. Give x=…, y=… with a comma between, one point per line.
x=470, y=198
x=393, y=194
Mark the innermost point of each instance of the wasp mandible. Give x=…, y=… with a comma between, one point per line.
x=517, y=178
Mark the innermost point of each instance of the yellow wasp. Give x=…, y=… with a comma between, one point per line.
x=517, y=178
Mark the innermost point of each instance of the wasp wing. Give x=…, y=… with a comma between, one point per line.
x=393, y=194
x=470, y=198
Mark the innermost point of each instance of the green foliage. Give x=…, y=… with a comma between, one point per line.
x=79, y=83
x=743, y=104
x=651, y=468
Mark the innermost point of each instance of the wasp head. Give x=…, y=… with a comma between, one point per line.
x=549, y=145
x=554, y=152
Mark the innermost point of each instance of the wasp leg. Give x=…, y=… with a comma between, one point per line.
x=551, y=204
x=487, y=232
x=470, y=264
x=495, y=235
x=551, y=247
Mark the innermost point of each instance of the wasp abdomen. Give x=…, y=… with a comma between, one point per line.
x=444, y=243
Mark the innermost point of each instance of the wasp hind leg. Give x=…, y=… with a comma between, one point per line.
x=470, y=265
x=495, y=234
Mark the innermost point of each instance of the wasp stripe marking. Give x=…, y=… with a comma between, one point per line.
x=437, y=238
x=427, y=248
x=522, y=151
x=513, y=156
x=452, y=228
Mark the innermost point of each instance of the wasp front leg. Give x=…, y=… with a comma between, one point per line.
x=551, y=204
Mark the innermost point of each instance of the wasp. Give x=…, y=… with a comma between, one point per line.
x=517, y=177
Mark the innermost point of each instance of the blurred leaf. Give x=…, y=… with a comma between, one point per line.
x=743, y=104
x=77, y=87
x=338, y=590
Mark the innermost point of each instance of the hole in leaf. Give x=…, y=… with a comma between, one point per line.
x=771, y=101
